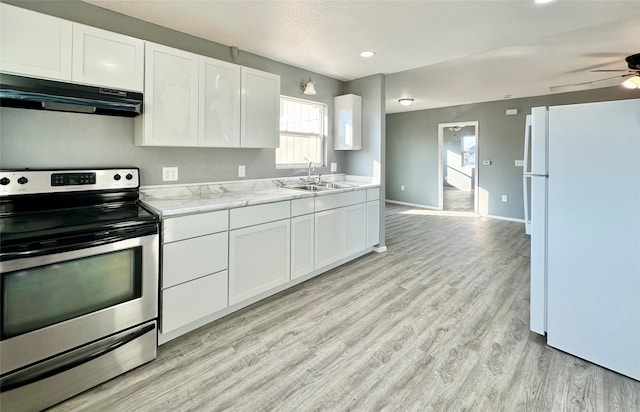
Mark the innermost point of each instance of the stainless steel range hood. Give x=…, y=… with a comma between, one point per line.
x=31, y=93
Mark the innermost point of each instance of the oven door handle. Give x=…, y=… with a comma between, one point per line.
x=77, y=242
x=17, y=381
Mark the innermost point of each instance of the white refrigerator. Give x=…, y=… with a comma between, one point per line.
x=582, y=209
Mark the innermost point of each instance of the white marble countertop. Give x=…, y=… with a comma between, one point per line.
x=175, y=200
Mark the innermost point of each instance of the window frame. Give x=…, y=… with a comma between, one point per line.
x=322, y=135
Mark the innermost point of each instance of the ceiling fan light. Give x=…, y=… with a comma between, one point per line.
x=405, y=101
x=632, y=82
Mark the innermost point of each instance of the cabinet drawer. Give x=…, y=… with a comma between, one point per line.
x=193, y=300
x=301, y=207
x=333, y=201
x=373, y=194
x=184, y=227
x=255, y=215
x=192, y=258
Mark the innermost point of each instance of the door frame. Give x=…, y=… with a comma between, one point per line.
x=441, y=127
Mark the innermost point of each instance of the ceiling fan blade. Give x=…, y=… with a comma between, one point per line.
x=582, y=85
x=609, y=70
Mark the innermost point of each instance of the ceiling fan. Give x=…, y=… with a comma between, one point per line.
x=632, y=74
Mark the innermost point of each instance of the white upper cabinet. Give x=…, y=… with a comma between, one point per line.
x=171, y=98
x=260, y=109
x=104, y=58
x=347, y=122
x=219, y=107
x=34, y=44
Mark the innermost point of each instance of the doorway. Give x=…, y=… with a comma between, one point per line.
x=458, y=172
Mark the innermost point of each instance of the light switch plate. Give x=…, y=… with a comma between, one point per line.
x=505, y=198
x=334, y=167
x=519, y=163
x=241, y=171
x=170, y=174
x=486, y=162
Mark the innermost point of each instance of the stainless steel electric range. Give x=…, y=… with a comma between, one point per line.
x=79, y=282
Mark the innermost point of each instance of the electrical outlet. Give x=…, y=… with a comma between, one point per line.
x=402, y=187
x=505, y=198
x=334, y=167
x=241, y=171
x=170, y=174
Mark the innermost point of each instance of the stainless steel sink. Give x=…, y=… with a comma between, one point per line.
x=333, y=185
x=309, y=188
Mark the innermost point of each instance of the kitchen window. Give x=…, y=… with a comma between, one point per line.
x=302, y=133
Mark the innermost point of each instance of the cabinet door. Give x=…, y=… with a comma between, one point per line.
x=373, y=223
x=258, y=259
x=193, y=258
x=34, y=44
x=347, y=117
x=328, y=237
x=188, y=302
x=260, y=109
x=171, y=98
x=219, y=120
x=355, y=229
x=302, y=245
x=104, y=58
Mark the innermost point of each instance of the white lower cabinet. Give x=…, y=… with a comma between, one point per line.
x=302, y=233
x=258, y=259
x=328, y=237
x=355, y=229
x=190, y=301
x=373, y=223
x=340, y=232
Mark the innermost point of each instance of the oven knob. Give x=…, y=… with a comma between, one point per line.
x=116, y=177
x=129, y=176
x=4, y=181
x=22, y=180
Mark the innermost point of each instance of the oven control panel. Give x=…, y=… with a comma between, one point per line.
x=17, y=182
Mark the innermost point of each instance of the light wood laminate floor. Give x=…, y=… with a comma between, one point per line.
x=437, y=323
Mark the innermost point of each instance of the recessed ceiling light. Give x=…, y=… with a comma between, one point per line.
x=405, y=101
x=367, y=53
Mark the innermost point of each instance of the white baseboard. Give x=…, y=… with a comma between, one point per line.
x=511, y=219
x=411, y=204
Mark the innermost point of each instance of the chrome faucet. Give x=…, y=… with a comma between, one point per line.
x=311, y=167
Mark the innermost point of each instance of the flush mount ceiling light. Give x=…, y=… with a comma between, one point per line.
x=542, y=1
x=632, y=82
x=367, y=54
x=308, y=87
x=405, y=101
x=455, y=128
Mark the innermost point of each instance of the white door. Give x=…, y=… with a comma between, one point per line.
x=594, y=233
x=258, y=259
x=171, y=98
x=354, y=229
x=328, y=237
x=260, y=109
x=219, y=119
x=108, y=59
x=373, y=223
x=34, y=44
x=302, y=233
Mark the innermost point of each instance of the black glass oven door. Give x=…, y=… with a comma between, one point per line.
x=41, y=296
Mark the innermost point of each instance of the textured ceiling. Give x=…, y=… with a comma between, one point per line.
x=440, y=53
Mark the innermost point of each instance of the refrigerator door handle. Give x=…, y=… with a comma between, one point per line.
x=527, y=144
x=526, y=179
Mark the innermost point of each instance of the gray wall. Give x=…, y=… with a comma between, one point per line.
x=369, y=161
x=412, y=148
x=38, y=139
